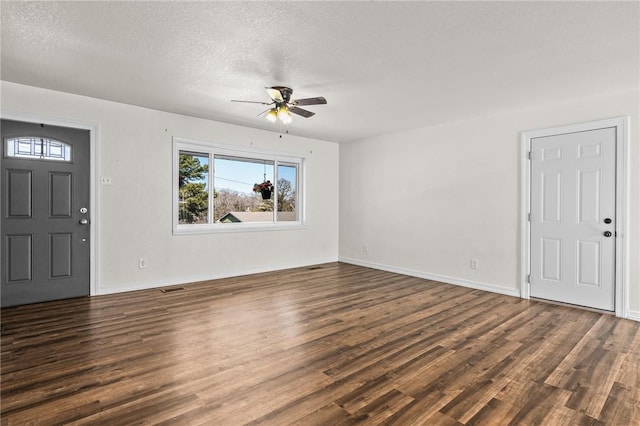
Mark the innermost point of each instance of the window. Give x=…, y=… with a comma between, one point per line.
x=193, y=188
x=33, y=148
x=220, y=188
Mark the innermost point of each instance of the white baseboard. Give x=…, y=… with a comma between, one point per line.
x=435, y=277
x=633, y=315
x=121, y=288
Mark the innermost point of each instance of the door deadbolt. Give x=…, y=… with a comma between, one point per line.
x=83, y=210
x=607, y=220
x=607, y=234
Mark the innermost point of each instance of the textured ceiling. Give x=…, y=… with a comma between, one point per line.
x=383, y=66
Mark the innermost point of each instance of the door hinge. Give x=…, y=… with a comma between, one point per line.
x=530, y=155
x=529, y=217
x=529, y=279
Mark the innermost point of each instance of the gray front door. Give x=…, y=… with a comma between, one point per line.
x=45, y=216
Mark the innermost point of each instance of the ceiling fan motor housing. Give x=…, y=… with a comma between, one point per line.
x=285, y=92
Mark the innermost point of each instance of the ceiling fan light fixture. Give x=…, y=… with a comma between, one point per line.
x=284, y=115
x=282, y=106
x=272, y=115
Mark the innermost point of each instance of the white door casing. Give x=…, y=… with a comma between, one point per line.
x=573, y=184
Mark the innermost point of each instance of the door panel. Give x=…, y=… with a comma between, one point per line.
x=572, y=193
x=19, y=253
x=588, y=263
x=45, y=250
x=60, y=255
x=589, y=196
x=551, y=197
x=551, y=259
x=60, y=195
x=19, y=193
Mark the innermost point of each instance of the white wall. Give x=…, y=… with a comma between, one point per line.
x=134, y=213
x=427, y=201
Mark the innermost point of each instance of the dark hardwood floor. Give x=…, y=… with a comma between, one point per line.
x=336, y=345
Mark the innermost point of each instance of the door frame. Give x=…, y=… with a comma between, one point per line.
x=621, y=124
x=93, y=173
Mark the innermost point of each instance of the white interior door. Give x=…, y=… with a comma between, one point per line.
x=573, y=178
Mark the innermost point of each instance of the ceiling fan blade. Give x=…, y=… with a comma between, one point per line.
x=310, y=101
x=252, y=102
x=302, y=112
x=274, y=94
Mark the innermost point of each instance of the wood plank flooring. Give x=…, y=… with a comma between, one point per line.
x=337, y=345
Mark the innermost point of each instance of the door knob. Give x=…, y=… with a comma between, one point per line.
x=84, y=221
x=607, y=234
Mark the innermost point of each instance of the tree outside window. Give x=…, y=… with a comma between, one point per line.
x=193, y=204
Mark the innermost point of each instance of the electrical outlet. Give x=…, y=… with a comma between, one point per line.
x=105, y=180
x=365, y=248
x=474, y=264
x=142, y=263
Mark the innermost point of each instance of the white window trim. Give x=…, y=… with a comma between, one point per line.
x=182, y=144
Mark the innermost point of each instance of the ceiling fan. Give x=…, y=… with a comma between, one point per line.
x=282, y=105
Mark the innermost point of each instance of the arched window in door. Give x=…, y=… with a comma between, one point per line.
x=32, y=147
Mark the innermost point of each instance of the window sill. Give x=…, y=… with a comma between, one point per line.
x=219, y=228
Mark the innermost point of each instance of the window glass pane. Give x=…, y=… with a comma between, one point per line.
x=235, y=199
x=55, y=150
x=24, y=147
x=287, y=194
x=193, y=191
x=37, y=149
